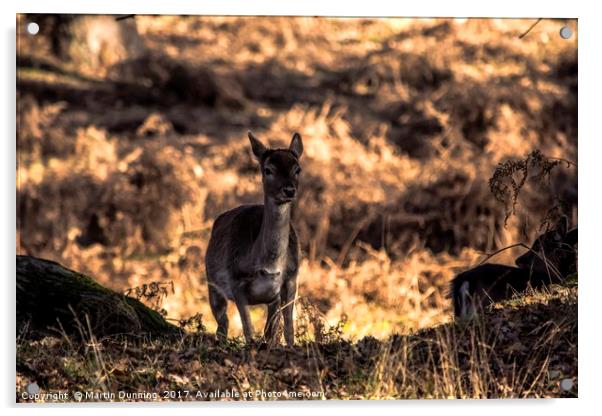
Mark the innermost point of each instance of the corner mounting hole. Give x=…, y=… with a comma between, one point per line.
x=33, y=28
x=566, y=32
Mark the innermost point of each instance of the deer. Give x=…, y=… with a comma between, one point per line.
x=551, y=258
x=253, y=252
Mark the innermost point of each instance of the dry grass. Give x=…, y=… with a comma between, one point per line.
x=524, y=349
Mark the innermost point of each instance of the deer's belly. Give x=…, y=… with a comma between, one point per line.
x=263, y=290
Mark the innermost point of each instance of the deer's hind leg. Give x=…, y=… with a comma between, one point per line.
x=219, y=307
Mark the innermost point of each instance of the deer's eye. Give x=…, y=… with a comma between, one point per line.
x=268, y=171
x=297, y=170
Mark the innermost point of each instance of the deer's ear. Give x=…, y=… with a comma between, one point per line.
x=562, y=226
x=296, y=144
x=257, y=147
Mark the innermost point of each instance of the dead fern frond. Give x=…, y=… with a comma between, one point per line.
x=153, y=293
x=511, y=176
x=193, y=324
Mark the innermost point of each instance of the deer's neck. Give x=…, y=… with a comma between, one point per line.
x=271, y=246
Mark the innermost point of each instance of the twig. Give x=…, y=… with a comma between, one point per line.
x=548, y=264
x=125, y=16
x=503, y=249
x=530, y=28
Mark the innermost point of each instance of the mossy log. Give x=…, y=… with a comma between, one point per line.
x=52, y=296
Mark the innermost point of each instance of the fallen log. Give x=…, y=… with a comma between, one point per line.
x=52, y=296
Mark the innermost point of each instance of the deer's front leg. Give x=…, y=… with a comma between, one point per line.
x=272, y=322
x=243, y=310
x=287, y=300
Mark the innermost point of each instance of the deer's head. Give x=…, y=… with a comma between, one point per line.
x=280, y=168
x=553, y=252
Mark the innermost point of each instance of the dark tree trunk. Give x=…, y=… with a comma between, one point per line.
x=51, y=296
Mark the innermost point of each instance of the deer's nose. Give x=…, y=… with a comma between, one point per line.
x=288, y=191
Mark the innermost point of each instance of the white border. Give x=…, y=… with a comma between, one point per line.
x=590, y=24
x=507, y=8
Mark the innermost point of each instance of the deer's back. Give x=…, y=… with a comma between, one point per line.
x=232, y=233
x=489, y=281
